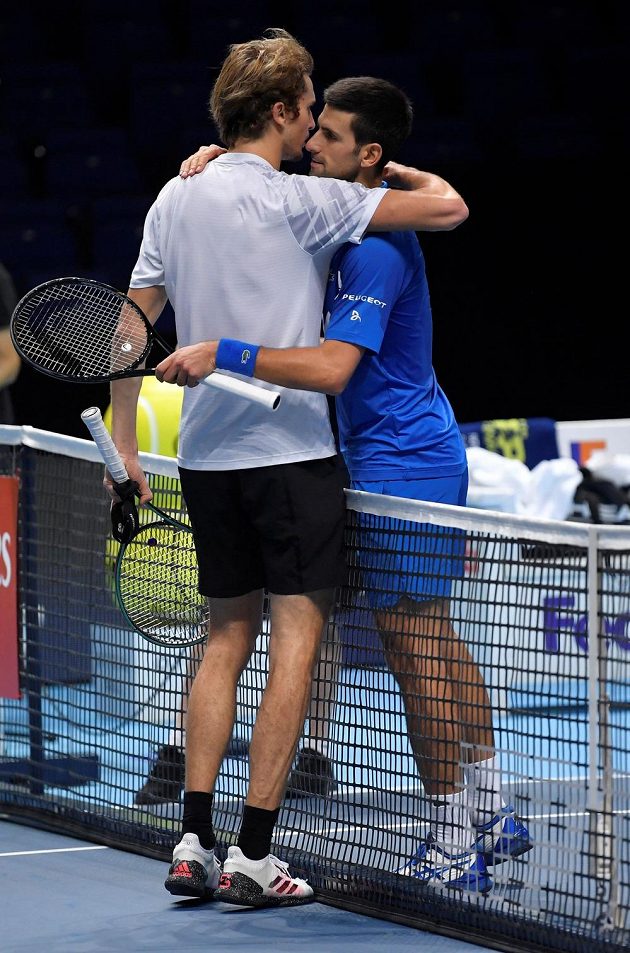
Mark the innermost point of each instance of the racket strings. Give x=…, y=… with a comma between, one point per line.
x=157, y=583
x=80, y=330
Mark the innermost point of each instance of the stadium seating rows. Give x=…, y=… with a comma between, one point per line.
x=93, y=123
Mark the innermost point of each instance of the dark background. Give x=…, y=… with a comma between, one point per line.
x=521, y=105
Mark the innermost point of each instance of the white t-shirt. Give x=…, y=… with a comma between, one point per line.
x=243, y=252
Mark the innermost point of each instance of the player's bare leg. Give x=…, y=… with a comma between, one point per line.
x=313, y=772
x=297, y=624
x=234, y=626
x=418, y=643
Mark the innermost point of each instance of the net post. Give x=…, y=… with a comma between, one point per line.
x=601, y=843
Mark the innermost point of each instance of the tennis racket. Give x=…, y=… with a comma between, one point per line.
x=156, y=575
x=156, y=581
x=125, y=488
x=78, y=329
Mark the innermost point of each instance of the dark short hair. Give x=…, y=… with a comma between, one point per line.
x=381, y=112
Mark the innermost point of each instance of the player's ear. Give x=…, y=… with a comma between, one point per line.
x=279, y=112
x=370, y=155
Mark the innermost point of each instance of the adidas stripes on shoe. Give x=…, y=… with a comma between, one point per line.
x=195, y=872
x=260, y=883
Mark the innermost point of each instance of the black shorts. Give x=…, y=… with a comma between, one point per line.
x=278, y=528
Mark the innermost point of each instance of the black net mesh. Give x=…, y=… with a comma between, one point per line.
x=518, y=638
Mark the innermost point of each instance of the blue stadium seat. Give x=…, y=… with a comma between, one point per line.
x=437, y=141
x=556, y=26
x=451, y=29
x=130, y=209
x=558, y=137
x=8, y=144
x=502, y=84
x=28, y=211
x=344, y=35
x=189, y=139
x=113, y=45
x=14, y=175
x=39, y=98
x=209, y=36
x=86, y=173
x=43, y=247
x=594, y=80
x=92, y=138
x=34, y=110
x=403, y=69
x=167, y=97
x=117, y=242
x=15, y=24
x=42, y=72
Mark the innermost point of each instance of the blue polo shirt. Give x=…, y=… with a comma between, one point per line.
x=395, y=421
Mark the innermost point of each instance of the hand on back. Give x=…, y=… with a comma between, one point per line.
x=199, y=160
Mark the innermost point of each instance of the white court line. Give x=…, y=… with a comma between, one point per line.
x=414, y=791
x=51, y=850
x=543, y=817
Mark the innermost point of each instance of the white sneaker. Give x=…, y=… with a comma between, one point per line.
x=195, y=872
x=260, y=883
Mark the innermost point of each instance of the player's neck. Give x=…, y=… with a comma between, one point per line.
x=370, y=179
x=268, y=147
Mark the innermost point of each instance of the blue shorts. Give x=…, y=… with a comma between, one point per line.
x=399, y=558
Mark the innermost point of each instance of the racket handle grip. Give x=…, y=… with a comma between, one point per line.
x=258, y=395
x=93, y=420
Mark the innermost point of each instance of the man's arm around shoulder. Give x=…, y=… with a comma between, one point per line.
x=417, y=201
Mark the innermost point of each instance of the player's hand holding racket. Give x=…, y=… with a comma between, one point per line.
x=188, y=366
x=77, y=329
x=156, y=576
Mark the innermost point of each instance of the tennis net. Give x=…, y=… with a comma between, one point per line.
x=543, y=607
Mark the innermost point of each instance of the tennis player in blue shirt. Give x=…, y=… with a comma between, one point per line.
x=399, y=437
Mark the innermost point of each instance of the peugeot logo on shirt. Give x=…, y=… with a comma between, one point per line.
x=367, y=298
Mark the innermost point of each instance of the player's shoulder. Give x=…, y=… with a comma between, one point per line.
x=322, y=188
x=175, y=183
x=166, y=192
x=385, y=249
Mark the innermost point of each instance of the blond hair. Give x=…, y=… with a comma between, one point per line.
x=253, y=77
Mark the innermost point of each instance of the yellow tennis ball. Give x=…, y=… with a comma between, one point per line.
x=157, y=429
x=159, y=579
x=159, y=411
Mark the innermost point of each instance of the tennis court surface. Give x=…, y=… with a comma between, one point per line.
x=62, y=894
x=543, y=606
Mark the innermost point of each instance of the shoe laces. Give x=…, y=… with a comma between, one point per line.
x=285, y=868
x=279, y=863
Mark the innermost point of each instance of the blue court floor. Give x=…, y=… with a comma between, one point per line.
x=62, y=894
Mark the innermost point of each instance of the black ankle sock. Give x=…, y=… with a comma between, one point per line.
x=197, y=817
x=257, y=827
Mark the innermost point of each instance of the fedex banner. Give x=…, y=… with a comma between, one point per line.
x=526, y=621
x=9, y=681
x=581, y=438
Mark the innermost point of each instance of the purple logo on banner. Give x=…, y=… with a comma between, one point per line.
x=555, y=620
